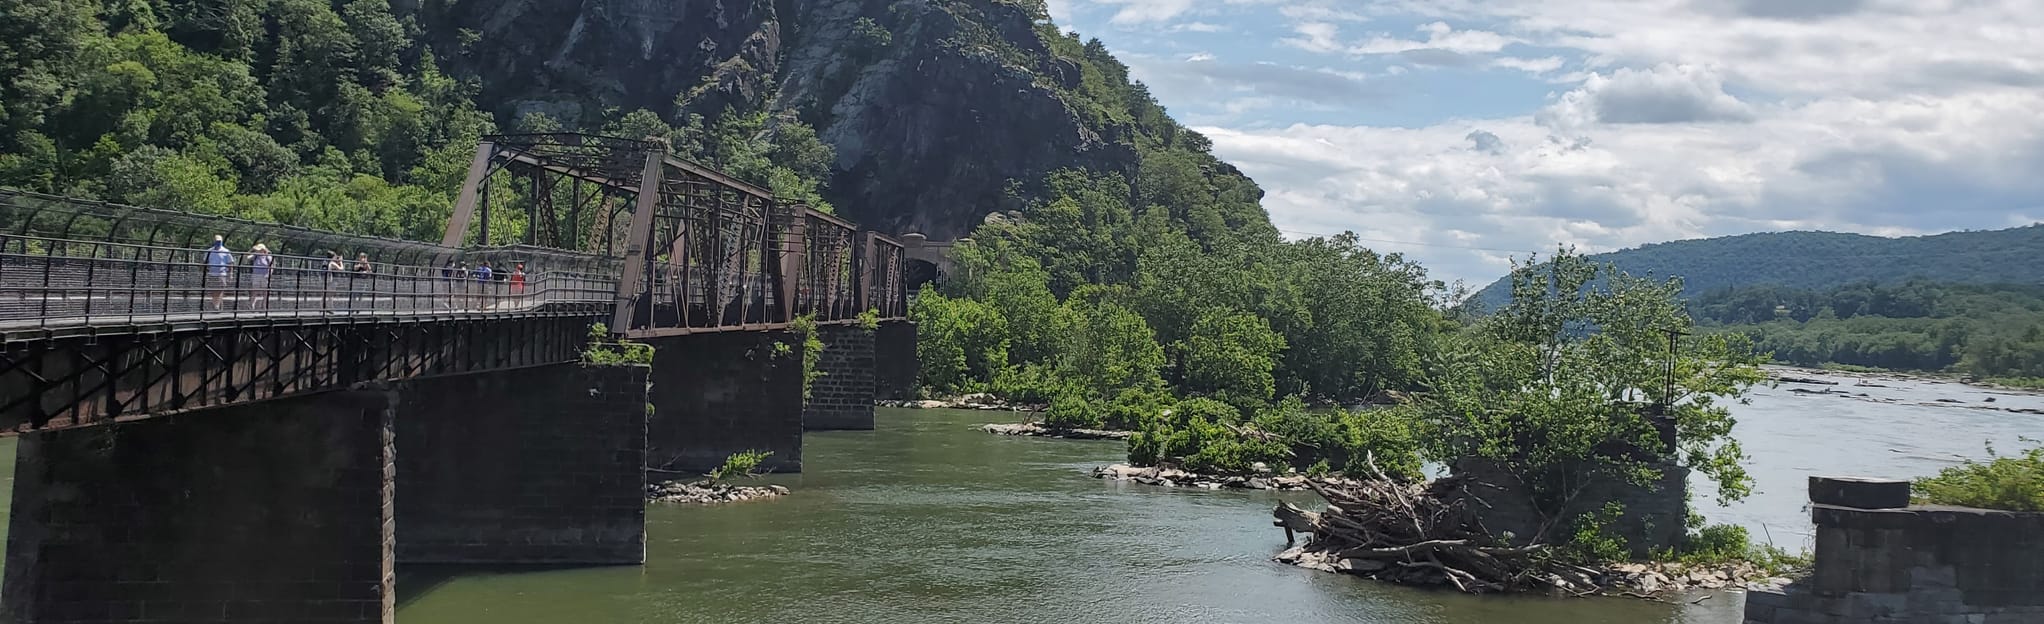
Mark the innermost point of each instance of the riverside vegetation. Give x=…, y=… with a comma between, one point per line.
x=1214, y=374
x=717, y=487
x=1127, y=277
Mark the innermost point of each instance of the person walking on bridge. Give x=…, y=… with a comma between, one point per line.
x=518, y=284
x=363, y=271
x=327, y=278
x=483, y=299
x=449, y=281
x=219, y=274
x=261, y=264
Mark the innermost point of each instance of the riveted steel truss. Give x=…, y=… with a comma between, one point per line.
x=79, y=381
x=699, y=250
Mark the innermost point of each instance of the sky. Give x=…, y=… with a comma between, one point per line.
x=1475, y=131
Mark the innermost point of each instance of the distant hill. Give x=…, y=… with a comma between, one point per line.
x=1824, y=259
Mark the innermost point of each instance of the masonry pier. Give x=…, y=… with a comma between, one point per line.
x=541, y=465
x=278, y=511
x=841, y=398
x=1881, y=560
x=895, y=363
x=720, y=393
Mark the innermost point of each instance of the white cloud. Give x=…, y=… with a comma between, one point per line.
x=1668, y=118
x=1316, y=37
x=1440, y=36
x=1662, y=94
x=1540, y=65
x=1146, y=11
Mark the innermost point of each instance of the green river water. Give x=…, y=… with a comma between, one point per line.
x=930, y=520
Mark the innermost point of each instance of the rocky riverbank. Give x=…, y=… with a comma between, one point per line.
x=1035, y=430
x=1635, y=580
x=709, y=493
x=985, y=402
x=1173, y=477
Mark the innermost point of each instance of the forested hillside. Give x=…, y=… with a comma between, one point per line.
x=1985, y=331
x=360, y=114
x=1826, y=259
x=1121, y=253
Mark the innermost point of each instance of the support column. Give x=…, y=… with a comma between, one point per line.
x=842, y=397
x=542, y=465
x=895, y=363
x=715, y=394
x=277, y=511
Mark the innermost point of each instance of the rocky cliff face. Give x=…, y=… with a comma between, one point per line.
x=571, y=60
x=933, y=106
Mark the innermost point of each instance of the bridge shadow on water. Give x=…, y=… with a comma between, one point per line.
x=418, y=580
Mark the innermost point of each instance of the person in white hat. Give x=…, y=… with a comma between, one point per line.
x=261, y=264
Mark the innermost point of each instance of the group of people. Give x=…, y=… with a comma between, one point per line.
x=456, y=279
x=459, y=286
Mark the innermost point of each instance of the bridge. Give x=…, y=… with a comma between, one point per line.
x=243, y=433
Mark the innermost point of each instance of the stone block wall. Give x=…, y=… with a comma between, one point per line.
x=894, y=360
x=279, y=511
x=715, y=394
x=1926, y=564
x=842, y=397
x=542, y=465
x=1655, y=517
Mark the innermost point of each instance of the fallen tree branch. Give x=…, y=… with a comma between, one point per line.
x=1385, y=529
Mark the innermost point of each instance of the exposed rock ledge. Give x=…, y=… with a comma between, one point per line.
x=985, y=402
x=1040, y=431
x=708, y=493
x=1173, y=477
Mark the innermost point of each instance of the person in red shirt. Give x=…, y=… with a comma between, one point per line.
x=518, y=280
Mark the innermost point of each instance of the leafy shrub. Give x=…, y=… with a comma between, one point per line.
x=1073, y=410
x=1031, y=384
x=1389, y=437
x=602, y=352
x=1720, y=544
x=1130, y=407
x=745, y=464
x=812, y=351
x=1182, y=432
x=2009, y=483
x=1227, y=454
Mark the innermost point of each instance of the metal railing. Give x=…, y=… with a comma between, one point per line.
x=48, y=283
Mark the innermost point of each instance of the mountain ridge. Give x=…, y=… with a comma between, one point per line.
x=1813, y=259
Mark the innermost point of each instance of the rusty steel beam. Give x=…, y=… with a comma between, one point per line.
x=638, y=266
x=465, y=203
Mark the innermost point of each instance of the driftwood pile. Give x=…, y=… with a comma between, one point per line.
x=1420, y=534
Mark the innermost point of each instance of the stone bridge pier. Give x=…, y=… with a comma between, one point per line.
x=278, y=511
x=541, y=465
x=720, y=393
x=297, y=510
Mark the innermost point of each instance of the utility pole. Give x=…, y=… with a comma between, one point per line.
x=1664, y=420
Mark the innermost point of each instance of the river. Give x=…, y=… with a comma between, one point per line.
x=930, y=520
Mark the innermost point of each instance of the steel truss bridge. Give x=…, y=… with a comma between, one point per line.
x=111, y=312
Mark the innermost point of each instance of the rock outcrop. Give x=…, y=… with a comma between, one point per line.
x=932, y=106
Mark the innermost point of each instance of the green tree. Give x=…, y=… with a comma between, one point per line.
x=1106, y=346
x=1562, y=388
x=961, y=342
x=1230, y=356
